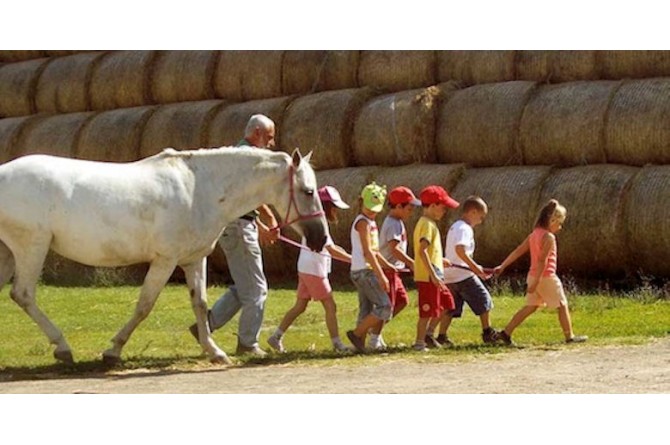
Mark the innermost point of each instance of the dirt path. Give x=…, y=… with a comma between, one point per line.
x=588, y=369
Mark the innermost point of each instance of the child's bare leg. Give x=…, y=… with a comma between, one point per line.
x=421, y=327
x=293, y=313
x=445, y=322
x=518, y=318
x=484, y=319
x=331, y=317
x=566, y=322
x=377, y=329
x=370, y=321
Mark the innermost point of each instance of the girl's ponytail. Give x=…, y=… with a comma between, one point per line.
x=547, y=213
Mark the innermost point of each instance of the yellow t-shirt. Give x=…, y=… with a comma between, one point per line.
x=427, y=229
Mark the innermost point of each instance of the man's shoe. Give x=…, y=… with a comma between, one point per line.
x=431, y=342
x=250, y=350
x=577, y=339
x=356, y=341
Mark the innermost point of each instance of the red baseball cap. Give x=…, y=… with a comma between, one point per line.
x=403, y=195
x=434, y=194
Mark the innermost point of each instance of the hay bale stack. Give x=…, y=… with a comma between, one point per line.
x=180, y=76
x=18, y=82
x=307, y=72
x=324, y=123
x=398, y=128
x=121, y=79
x=556, y=66
x=52, y=135
x=397, y=70
x=633, y=64
x=64, y=83
x=182, y=126
x=512, y=194
x=12, y=55
x=479, y=125
x=114, y=135
x=248, y=75
x=564, y=124
x=637, y=131
x=475, y=67
x=646, y=219
x=593, y=239
x=64, y=52
x=228, y=124
x=10, y=129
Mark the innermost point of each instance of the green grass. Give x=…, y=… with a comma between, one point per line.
x=90, y=317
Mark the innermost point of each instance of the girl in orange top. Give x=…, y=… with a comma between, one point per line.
x=544, y=287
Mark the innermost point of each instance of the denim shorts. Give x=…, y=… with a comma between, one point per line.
x=473, y=292
x=371, y=296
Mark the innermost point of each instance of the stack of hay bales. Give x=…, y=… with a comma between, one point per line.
x=515, y=127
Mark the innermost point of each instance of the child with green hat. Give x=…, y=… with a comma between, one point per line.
x=366, y=266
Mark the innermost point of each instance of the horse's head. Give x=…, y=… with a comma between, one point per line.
x=303, y=211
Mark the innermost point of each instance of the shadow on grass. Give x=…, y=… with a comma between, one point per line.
x=137, y=367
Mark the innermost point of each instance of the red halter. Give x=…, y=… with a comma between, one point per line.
x=292, y=203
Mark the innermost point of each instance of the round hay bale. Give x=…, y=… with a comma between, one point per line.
x=64, y=83
x=398, y=128
x=10, y=129
x=637, y=131
x=633, y=64
x=565, y=124
x=52, y=135
x=64, y=52
x=475, y=67
x=18, y=82
x=180, y=126
x=307, y=72
x=324, y=123
x=114, y=135
x=180, y=76
x=646, y=219
x=248, y=75
x=479, y=125
x=556, y=66
x=228, y=124
x=122, y=79
x=59, y=271
x=12, y=55
x=512, y=195
x=593, y=240
x=349, y=182
x=397, y=70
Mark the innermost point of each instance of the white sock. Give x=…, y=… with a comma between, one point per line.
x=336, y=341
x=374, y=338
x=278, y=333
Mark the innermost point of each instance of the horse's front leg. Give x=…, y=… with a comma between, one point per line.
x=159, y=273
x=196, y=279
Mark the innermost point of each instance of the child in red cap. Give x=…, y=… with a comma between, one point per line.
x=429, y=263
x=393, y=247
x=313, y=284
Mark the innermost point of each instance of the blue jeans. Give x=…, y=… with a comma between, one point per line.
x=249, y=291
x=371, y=296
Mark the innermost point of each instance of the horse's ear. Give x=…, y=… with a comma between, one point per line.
x=308, y=157
x=297, y=157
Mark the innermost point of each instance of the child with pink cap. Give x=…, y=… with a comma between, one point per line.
x=313, y=283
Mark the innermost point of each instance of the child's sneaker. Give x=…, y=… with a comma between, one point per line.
x=444, y=341
x=489, y=336
x=577, y=339
x=276, y=344
x=420, y=347
x=503, y=338
x=356, y=341
x=431, y=342
x=341, y=347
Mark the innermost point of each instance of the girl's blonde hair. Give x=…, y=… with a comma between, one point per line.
x=551, y=212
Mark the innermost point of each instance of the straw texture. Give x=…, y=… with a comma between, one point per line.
x=248, y=75
x=397, y=70
x=180, y=76
x=53, y=135
x=307, y=72
x=556, y=66
x=475, y=67
x=11, y=56
x=633, y=64
x=10, y=129
x=121, y=79
x=18, y=82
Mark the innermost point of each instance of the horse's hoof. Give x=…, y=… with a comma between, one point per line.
x=64, y=356
x=110, y=360
x=221, y=360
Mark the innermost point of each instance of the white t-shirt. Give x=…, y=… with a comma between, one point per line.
x=358, y=261
x=393, y=229
x=314, y=263
x=460, y=234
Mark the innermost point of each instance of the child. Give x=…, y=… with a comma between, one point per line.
x=313, y=270
x=393, y=242
x=464, y=280
x=544, y=287
x=366, y=270
x=434, y=296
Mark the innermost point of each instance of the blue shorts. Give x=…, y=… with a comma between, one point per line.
x=371, y=296
x=473, y=292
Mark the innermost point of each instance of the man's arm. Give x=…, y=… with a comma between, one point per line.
x=268, y=231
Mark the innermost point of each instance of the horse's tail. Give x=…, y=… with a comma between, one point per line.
x=6, y=264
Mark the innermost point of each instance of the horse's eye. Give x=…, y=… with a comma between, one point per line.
x=309, y=192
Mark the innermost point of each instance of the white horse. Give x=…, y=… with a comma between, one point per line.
x=167, y=210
